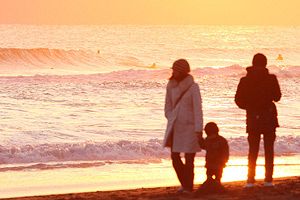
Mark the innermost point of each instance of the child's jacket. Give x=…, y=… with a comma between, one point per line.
x=217, y=151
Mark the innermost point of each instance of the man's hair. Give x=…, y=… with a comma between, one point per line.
x=259, y=60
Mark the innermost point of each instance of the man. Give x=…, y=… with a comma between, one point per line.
x=256, y=93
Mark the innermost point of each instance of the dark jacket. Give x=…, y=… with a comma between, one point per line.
x=256, y=93
x=217, y=151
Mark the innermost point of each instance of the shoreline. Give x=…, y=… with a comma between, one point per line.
x=285, y=188
x=114, y=177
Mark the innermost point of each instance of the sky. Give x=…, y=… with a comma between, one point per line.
x=151, y=12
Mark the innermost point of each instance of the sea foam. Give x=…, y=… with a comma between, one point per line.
x=122, y=150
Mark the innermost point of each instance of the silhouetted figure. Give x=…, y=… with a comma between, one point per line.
x=256, y=93
x=153, y=65
x=279, y=58
x=183, y=110
x=217, y=155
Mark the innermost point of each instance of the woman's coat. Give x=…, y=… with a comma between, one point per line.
x=184, y=119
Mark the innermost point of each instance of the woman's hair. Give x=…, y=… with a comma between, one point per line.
x=182, y=66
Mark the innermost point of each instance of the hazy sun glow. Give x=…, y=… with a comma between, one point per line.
x=220, y=12
x=129, y=176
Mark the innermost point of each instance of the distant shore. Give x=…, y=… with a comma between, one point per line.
x=287, y=188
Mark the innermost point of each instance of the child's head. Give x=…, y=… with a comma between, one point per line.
x=211, y=129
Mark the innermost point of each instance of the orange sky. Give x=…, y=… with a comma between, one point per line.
x=219, y=12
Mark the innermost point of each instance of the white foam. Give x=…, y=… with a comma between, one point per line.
x=122, y=150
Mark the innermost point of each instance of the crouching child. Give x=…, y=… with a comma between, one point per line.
x=217, y=155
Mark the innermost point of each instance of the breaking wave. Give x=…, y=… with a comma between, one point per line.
x=45, y=58
x=115, y=65
x=123, y=150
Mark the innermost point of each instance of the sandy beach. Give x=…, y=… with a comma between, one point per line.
x=285, y=189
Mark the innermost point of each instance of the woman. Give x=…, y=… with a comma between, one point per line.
x=183, y=110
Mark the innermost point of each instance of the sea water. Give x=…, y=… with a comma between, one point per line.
x=82, y=106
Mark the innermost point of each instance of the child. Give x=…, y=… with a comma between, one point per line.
x=217, y=154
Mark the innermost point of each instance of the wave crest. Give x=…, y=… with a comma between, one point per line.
x=86, y=61
x=44, y=57
x=121, y=150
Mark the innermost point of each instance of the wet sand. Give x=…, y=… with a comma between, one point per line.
x=285, y=189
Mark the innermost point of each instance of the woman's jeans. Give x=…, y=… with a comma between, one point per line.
x=184, y=171
x=254, y=140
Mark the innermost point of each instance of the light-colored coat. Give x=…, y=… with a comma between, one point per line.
x=186, y=118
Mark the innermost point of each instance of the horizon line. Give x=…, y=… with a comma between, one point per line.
x=154, y=24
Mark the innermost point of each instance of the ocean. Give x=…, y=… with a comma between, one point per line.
x=82, y=106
